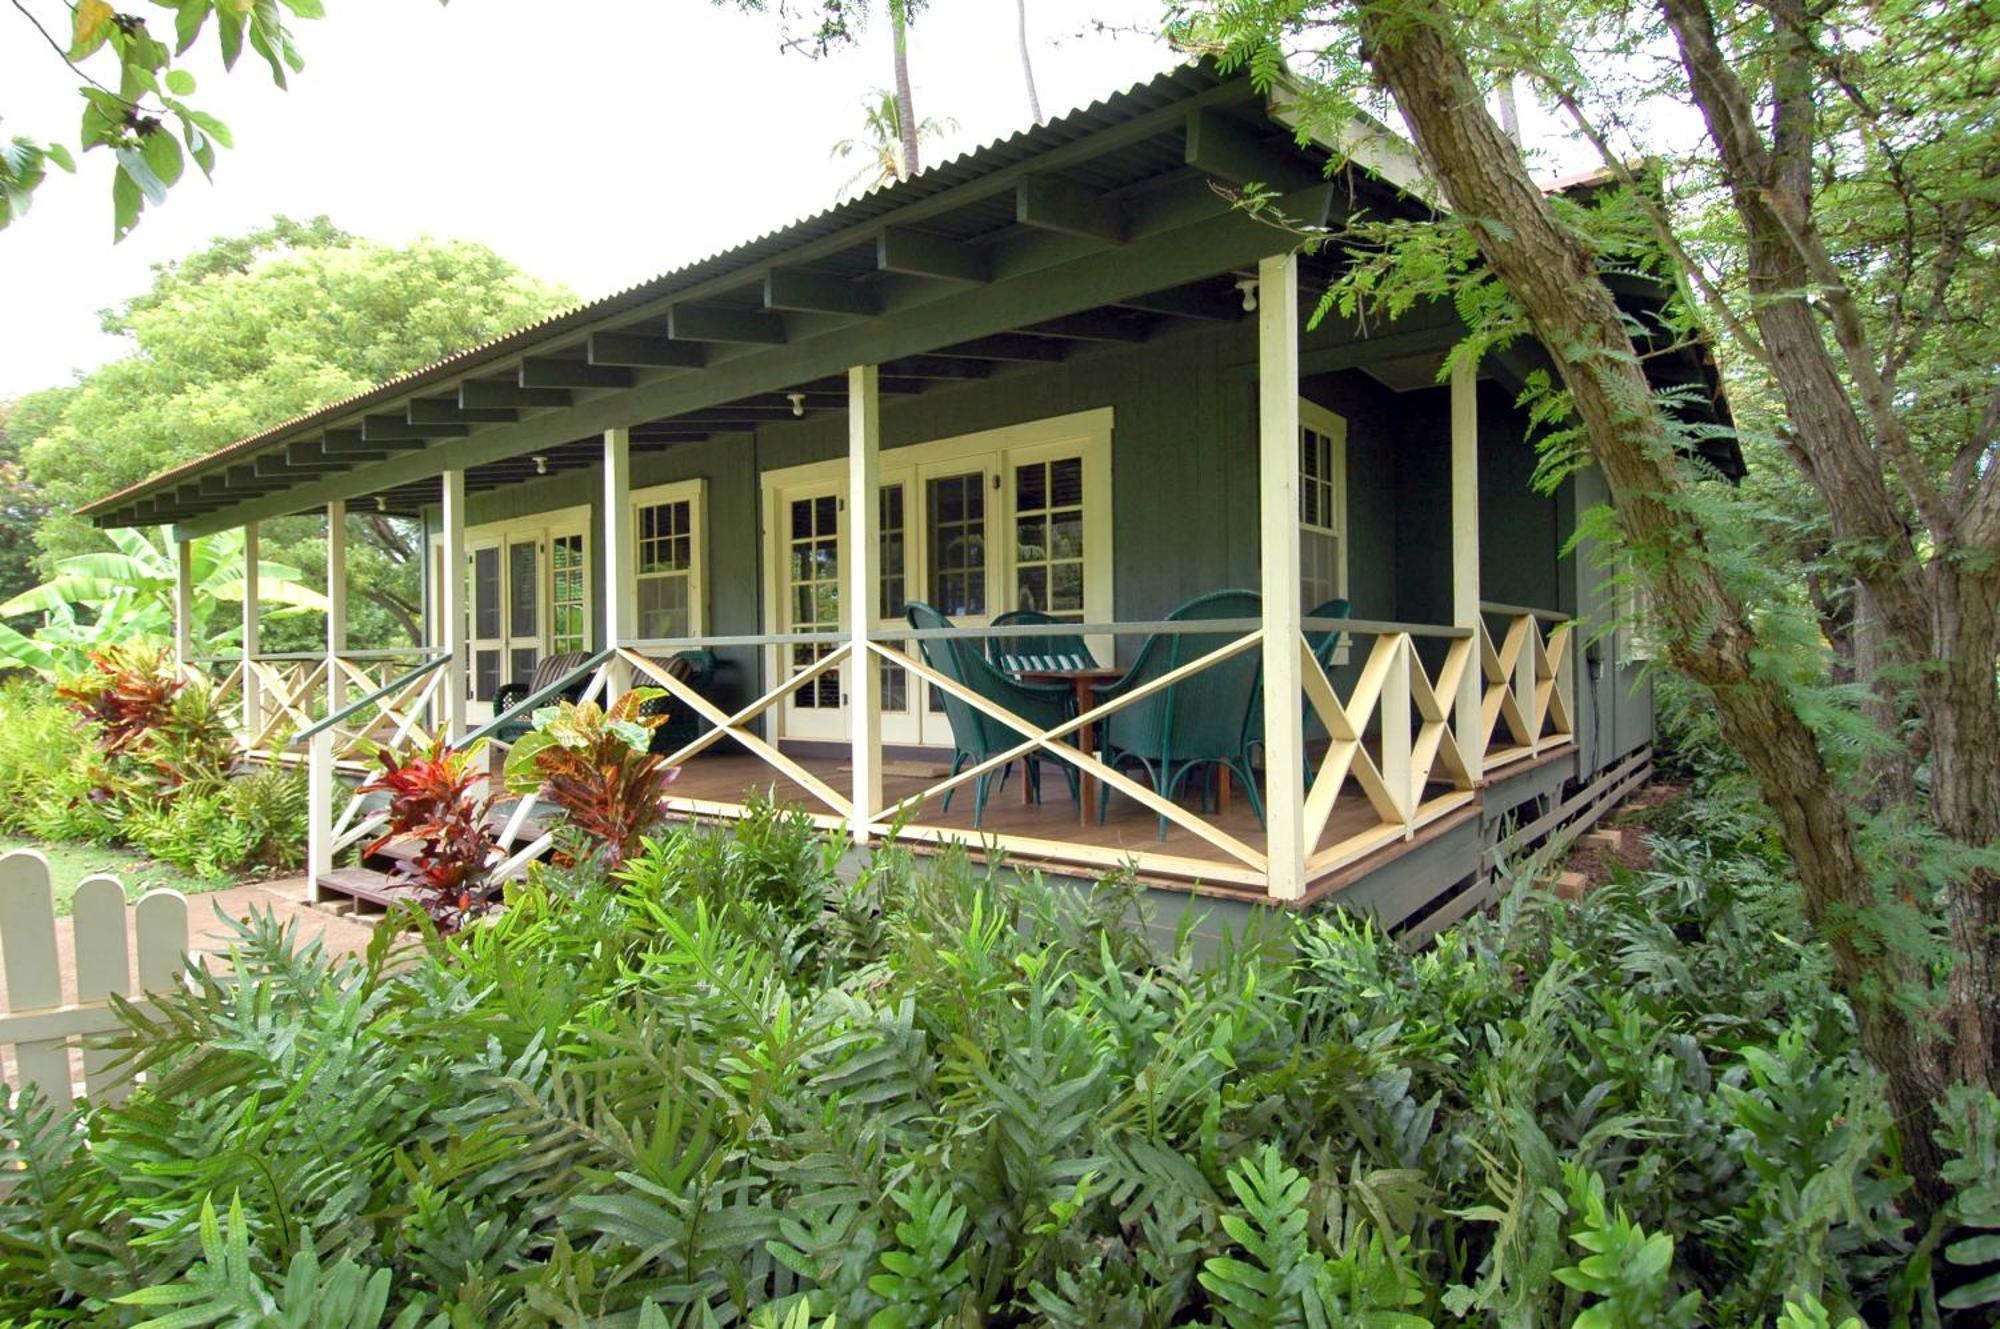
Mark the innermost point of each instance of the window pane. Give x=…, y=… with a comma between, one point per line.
x=958, y=544
x=486, y=595
x=486, y=668
x=663, y=607
x=1066, y=482
x=521, y=665
x=523, y=565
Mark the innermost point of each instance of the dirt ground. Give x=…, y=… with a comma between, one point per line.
x=1597, y=857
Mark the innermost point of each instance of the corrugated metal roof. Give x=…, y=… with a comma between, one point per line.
x=1140, y=99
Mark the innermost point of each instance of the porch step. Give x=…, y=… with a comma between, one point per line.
x=372, y=891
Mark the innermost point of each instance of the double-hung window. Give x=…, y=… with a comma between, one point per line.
x=666, y=530
x=1322, y=506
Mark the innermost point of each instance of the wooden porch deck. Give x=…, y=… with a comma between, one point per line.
x=1051, y=834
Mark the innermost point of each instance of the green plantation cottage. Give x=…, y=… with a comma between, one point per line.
x=1014, y=505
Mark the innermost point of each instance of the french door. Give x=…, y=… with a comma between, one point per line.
x=1016, y=519
x=527, y=596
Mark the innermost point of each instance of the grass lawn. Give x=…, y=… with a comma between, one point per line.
x=69, y=864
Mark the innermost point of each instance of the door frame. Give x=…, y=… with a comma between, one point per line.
x=1088, y=434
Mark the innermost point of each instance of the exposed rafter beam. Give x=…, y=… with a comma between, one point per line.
x=818, y=293
x=539, y=372
x=922, y=254
x=1096, y=325
x=349, y=445
x=280, y=464
x=314, y=452
x=1047, y=280
x=395, y=429
x=937, y=366
x=1049, y=203
x=447, y=411
x=1222, y=146
x=1190, y=302
x=1006, y=346
x=479, y=393
x=756, y=327
x=638, y=348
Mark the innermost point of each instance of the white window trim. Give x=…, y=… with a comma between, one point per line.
x=695, y=494
x=1315, y=417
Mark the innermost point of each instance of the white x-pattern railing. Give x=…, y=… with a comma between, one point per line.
x=1391, y=737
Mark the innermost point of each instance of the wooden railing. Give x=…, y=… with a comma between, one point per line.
x=1393, y=736
x=1529, y=682
x=274, y=696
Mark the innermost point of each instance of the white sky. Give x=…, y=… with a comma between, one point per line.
x=622, y=140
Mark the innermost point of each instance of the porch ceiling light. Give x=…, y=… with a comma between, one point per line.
x=541, y=464
x=1248, y=286
x=798, y=401
x=381, y=502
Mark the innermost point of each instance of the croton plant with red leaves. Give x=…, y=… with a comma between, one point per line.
x=598, y=766
x=128, y=690
x=437, y=807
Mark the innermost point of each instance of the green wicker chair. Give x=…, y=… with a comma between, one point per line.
x=975, y=735
x=1324, y=644
x=682, y=726
x=1200, y=722
x=551, y=669
x=1037, y=650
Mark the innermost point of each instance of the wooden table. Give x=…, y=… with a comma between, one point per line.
x=1085, y=683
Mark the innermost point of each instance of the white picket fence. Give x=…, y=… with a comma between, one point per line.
x=45, y=1029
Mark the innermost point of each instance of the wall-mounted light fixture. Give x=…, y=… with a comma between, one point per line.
x=798, y=401
x=541, y=464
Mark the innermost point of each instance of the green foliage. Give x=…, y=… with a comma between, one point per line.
x=218, y=352
x=135, y=95
x=1972, y=1137
x=124, y=599
x=733, y=1085
x=170, y=788
x=1628, y=1273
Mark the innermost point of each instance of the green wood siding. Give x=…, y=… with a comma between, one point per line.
x=1185, y=494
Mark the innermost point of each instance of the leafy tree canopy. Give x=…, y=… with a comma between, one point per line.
x=248, y=333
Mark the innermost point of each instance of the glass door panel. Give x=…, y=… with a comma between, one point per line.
x=956, y=569
x=524, y=595
x=569, y=595
x=810, y=602
x=484, y=608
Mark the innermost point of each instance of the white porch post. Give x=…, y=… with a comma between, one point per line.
x=864, y=521
x=1278, y=474
x=253, y=592
x=451, y=613
x=336, y=602
x=621, y=598
x=183, y=603
x=1466, y=714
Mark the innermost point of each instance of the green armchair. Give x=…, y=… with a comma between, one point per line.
x=1202, y=721
x=975, y=734
x=683, y=725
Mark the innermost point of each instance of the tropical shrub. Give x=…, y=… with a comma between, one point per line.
x=735, y=1085
x=598, y=766
x=122, y=598
x=166, y=784
x=437, y=812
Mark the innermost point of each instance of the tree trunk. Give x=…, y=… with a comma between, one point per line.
x=1027, y=63
x=906, y=111
x=1935, y=623
x=1711, y=640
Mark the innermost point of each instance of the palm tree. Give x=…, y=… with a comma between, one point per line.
x=1027, y=65
x=128, y=593
x=883, y=143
